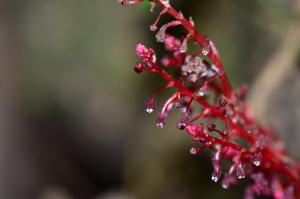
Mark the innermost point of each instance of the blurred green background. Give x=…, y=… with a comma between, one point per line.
x=72, y=119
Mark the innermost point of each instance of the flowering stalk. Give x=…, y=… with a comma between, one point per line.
x=203, y=81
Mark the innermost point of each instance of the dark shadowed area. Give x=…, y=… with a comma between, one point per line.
x=72, y=117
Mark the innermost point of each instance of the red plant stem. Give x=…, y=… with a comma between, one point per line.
x=275, y=160
x=202, y=41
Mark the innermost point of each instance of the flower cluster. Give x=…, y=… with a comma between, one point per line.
x=203, y=96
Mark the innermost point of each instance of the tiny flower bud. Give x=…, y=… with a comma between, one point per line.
x=240, y=173
x=138, y=68
x=141, y=50
x=228, y=181
x=183, y=47
x=211, y=127
x=171, y=43
x=205, y=51
x=191, y=130
x=200, y=127
x=160, y=122
x=177, y=104
x=150, y=104
x=257, y=158
x=222, y=102
x=153, y=27
x=183, y=122
x=161, y=34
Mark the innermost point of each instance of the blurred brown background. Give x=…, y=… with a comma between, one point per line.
x=72, y=121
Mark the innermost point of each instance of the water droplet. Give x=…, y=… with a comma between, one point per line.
x=222, y=102
x=225, y=186
x=183, y=122
x=150, y=103
x=201, y=93
x=193, y=77
x=228, y=181
x=160, y=125
x=208, y=73
x=183, y=47
x=161, y=34
x=149, y=110
x=235, y=120
x=225, y=132
x=160, y=122
x=192, y=21
x=177, y=104
x=205, y=51
x=214, y=68
x=256, y=163
x=181, y=125
x=257, y=158
x=214, y=178
x=193, y=151
x=240, y=173
x=153, y=27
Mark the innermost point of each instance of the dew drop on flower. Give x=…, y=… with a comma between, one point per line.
x=150, y=103
x=205, y=51
x=222, y=102
x=183, y=47
x=153, y=27
x=256, y=162
x=214, y=178
x=193, y=151
x=214, y=68
x=161, y=34
x=240, y=173
x=177, y=104
x=181, y=126
x=201, y=93
x=228, y=181
x=149, y=110
x=225, y=186
x=160, y=122
x=191, y=21
x=183, y=122
x=193, y=77
x=257, y=158
x=225, y=132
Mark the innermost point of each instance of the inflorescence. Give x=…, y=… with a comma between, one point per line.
x=204, y=95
